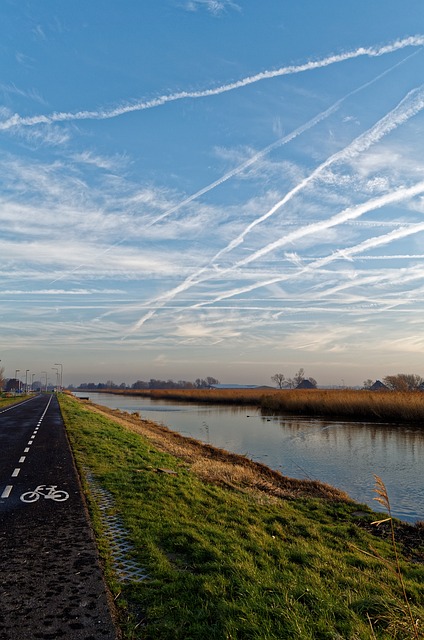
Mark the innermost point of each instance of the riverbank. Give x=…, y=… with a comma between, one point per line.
x=349, y=404
x=233, y=549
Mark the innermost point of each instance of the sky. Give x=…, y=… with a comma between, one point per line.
x=225, y=188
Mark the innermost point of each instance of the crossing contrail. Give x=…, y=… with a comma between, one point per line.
x=104, y=114
x=247, y=163
x=278, y=143
x=403, y=193
x=408, y=107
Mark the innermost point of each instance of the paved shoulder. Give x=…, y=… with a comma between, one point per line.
x=52, y=585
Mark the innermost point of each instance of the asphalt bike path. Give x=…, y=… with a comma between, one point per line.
x=51, y=584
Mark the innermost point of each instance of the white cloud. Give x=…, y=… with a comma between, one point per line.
x=216, y=7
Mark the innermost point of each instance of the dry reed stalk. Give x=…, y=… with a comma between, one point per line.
x=383, y=499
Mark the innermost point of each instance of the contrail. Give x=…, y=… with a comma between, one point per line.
x=104, y=114
x=396, y=276
x=254, y=158
x=350, y=213
x=247, y=163
x=278, y=143
x=241, y=167
x=409, y=106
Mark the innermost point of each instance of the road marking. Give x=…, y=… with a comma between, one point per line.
x=15, y=473
x=6, y=492
x=26, y=450
x=22, y=459
x=30, y=442
x=48, y=492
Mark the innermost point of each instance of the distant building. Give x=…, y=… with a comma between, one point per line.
x=379, y=386
x=306, y=384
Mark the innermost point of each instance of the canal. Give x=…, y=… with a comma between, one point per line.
x=343, y=454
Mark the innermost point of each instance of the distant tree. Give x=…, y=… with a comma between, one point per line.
x=403, y=382
x=313, y=382
x=279, y=379
x=139, y=384
x=367, y=384
x=2, y=379
x=12, y=384
x=210, y=381
x=185, y=384
x=299, y=377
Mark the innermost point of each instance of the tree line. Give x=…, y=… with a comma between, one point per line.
x=153, y=383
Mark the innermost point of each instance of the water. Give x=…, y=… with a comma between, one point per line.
x=343, y=454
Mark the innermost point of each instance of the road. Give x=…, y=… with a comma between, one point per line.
x=51, y=582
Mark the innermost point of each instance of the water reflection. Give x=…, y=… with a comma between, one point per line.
x=344, y=454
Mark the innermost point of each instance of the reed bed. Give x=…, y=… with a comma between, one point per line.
x=390, y=406
x=382, y=406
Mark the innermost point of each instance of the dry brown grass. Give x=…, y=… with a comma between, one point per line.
x=219, y=466
x=384, y=406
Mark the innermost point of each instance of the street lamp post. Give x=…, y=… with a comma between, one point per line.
x=58, y=364
x=45, y=388
x=32, y=381
x=26, y=380
x=16, y=377
x=57, y=377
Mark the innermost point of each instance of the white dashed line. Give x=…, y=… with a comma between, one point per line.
x=15, y=473
x=22, y=459
x=26, y=450
x=6, y=492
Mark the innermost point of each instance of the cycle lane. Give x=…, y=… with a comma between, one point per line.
x=17, y=424
x=52, y=585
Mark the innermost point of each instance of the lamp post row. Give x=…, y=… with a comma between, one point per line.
x=59, y=378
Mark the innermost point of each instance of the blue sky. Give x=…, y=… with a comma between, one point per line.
x=194, y=188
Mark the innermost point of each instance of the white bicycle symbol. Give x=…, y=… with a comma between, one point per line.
x=45, y=491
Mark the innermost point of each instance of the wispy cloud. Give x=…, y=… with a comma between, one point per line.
x=412, y=104
x=58, y=292
x=216, y=7
x=347, y=252
x=31, y=94
x=103, y=114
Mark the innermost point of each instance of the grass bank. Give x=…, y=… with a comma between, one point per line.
x=234, y=550
x=385, y=406
x=6, y=401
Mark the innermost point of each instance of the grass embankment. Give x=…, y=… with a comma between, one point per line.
x=234, y=550
x=385, y=406
x=6, y=401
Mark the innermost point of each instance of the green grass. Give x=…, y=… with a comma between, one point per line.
x=233, y=564
x=7, y=401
